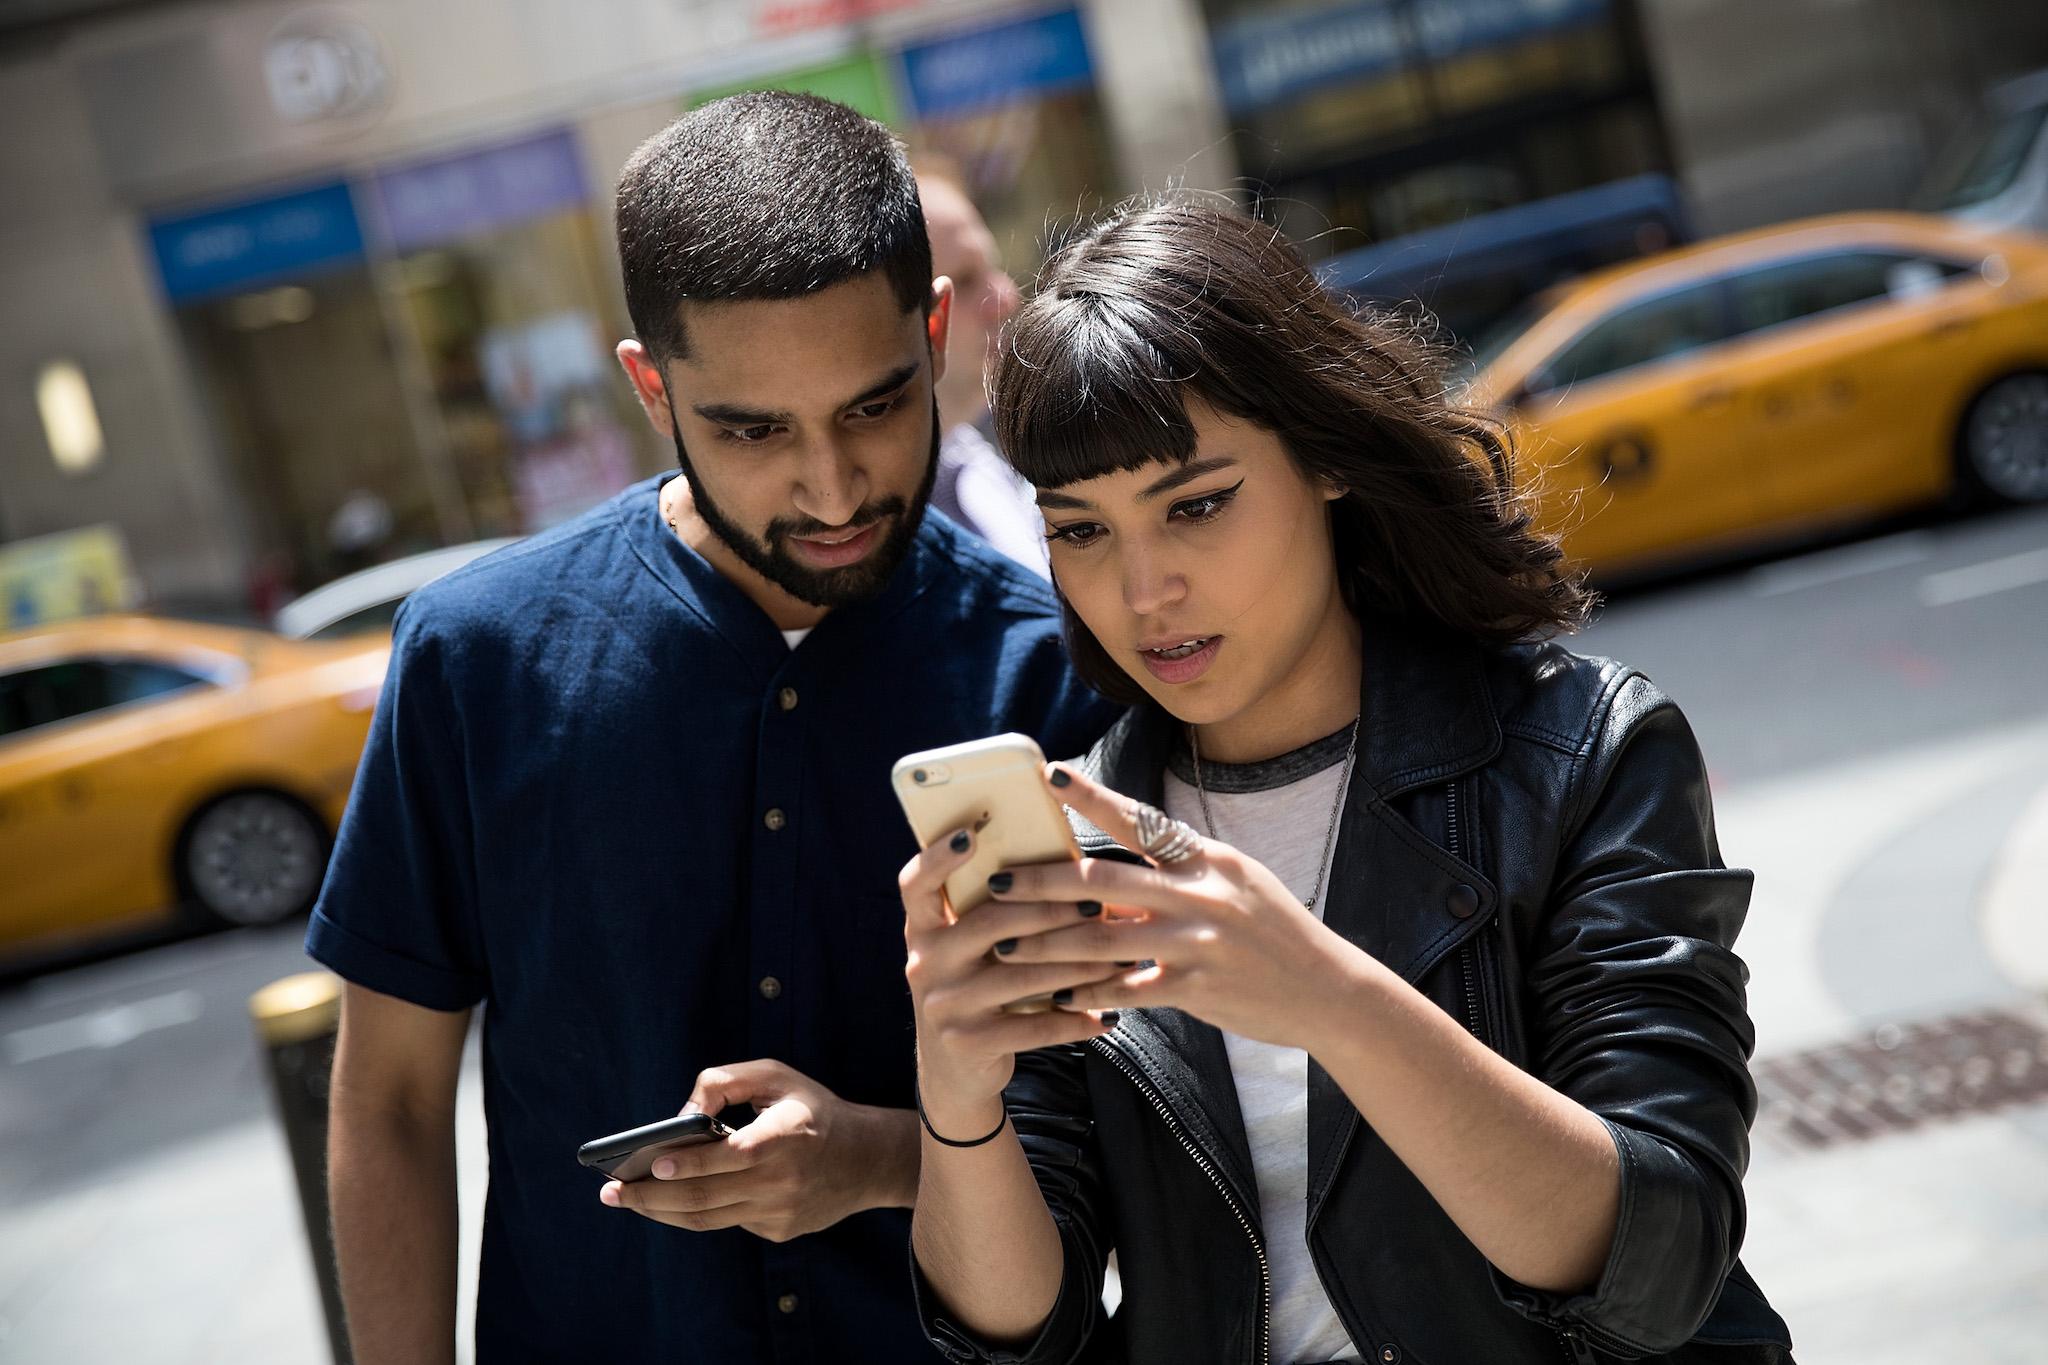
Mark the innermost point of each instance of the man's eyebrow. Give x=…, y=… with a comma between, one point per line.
x=732, y=415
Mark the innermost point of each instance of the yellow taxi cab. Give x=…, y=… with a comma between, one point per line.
x=1775, y=383
x=148, y=766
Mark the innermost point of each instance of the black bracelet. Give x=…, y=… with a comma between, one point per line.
x=945, y=1141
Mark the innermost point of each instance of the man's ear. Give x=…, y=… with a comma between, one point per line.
x=648, y=385
x=938, y=324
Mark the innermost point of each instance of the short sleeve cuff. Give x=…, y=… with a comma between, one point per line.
x=371, y=965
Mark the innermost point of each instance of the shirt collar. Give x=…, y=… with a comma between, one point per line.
x=730, y=613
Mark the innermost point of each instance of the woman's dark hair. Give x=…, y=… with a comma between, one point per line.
x=764, y=195
x=1166, y=299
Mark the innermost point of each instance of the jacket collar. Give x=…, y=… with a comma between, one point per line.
x=1426, y=717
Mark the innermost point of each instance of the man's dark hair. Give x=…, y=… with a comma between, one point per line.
x=764, y=195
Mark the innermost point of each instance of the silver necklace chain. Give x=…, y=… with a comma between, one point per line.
x=1336, y=811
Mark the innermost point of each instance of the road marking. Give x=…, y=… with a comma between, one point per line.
x=1832, y=566
x=123, y=976
x=105, y=1028
x=1981, y=580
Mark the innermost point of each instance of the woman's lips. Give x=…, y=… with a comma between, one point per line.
x=837, y=553
x=1185, y=668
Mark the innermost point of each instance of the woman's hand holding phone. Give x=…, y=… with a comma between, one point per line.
x=959, y=983
x=1227, y=941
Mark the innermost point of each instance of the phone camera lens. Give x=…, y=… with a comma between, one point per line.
x=917, y=776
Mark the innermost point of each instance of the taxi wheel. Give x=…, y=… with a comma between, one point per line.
x=2005, y=440
x=252, y=858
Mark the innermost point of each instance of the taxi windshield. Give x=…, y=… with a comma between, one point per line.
x=1983, y=163
x=1506, y=332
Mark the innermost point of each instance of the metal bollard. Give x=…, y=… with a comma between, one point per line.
x=297, y=1019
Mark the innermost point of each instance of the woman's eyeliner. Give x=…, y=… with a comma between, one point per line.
x=1195, y=511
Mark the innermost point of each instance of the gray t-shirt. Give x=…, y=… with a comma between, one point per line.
x=1278, y=812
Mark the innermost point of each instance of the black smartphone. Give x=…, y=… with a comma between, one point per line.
x=630, y=1155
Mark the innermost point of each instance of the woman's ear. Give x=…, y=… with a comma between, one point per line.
x=1331, y=489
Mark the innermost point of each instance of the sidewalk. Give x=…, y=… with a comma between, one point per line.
x=1931, y=1243
x=1908, y=888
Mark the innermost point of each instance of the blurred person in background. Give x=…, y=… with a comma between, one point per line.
x=975, y=487
x=1412, y=1026
x=620, y=789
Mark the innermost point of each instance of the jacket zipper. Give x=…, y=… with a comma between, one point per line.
x=1208, y=1168
x=1574, y=1350
x=1468, y=956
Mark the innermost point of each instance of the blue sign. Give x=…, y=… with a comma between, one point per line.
x=457, y=196
x=240, y=245
x=987, y=68
x=1262, y=61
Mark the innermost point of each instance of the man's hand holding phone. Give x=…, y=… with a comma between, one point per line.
x=807, y=1160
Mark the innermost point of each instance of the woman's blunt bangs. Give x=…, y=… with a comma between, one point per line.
x=1081, y=390
x=1190, y=295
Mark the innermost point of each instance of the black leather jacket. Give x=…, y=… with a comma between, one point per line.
x=1530, y=842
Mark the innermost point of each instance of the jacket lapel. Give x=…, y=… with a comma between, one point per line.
x=1182, y=1057
x=1426, y=718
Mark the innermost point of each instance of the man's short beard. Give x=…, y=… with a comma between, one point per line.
x=769, y=556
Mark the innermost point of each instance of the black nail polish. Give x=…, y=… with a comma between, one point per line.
x=1128, y=965
x=1110, y=1017
x=1006, y=947
x=961, y=841
x=1001, y=882
x=1061, y=777
x=1063, y=997
x=1089, y=909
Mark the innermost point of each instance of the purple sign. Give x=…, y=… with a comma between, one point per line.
x=438, y=201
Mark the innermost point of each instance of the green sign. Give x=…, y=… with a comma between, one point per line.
x=860, y=82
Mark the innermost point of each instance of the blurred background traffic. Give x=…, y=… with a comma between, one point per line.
x=307, y=304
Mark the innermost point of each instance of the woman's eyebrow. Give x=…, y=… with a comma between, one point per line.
x=1186, y=474
x=1180, y=477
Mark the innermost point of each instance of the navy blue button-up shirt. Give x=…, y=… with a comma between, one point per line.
x=605, y=798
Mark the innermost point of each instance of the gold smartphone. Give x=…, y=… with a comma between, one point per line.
x=995, y=787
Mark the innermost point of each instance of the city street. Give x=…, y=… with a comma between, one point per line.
x=1877, y=731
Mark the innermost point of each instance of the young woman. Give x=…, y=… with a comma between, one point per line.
x=1397, y=1014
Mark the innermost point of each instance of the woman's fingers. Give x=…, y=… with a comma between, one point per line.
x=1002, y=985
x=1144, y=986
x=1113, y=812
x=1101, y=941
x=922, y=882
x=1093, y=882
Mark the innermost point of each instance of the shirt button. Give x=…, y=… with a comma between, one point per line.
x=786, y=699
x=1390, y=1355
x=775, y=819
x=1463, y=901
x=787, y=1303
x=770, y=988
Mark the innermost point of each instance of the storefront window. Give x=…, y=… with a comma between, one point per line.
x=505, y=296
x=1367, y=121
x=1014, y=106
x=287, y=334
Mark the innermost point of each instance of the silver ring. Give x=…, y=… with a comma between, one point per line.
x=1164, y=839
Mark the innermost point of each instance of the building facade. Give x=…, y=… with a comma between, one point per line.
x=340, y=277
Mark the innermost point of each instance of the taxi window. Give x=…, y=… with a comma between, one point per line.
x=1660, y=328
x=1790, y=290
x=78, y=687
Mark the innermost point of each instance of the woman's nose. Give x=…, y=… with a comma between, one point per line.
x=1150, y=583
